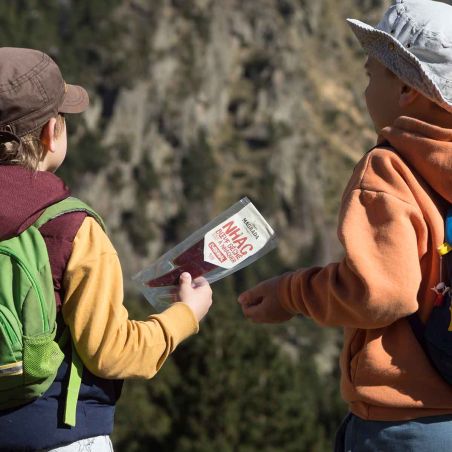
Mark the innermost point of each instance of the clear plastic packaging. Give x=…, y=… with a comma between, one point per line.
x=234, y=239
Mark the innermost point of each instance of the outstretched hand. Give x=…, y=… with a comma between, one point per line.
x=261, y=305
x=196, y=294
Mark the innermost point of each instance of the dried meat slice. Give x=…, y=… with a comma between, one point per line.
x=171, y=278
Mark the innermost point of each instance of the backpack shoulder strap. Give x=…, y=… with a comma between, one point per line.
x=66, y=206
x=445, y=251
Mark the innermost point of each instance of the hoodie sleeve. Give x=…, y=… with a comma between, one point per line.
x=383, y=235
x=109, y=344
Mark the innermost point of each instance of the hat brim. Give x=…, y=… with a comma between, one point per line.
x=392, y=54
x=75, y=99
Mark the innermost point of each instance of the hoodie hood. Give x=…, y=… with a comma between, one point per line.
x=24, y=194
x=427, y=149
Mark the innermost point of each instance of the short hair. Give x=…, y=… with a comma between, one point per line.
x=30, y=153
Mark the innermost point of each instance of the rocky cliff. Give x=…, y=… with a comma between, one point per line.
x=232, y=98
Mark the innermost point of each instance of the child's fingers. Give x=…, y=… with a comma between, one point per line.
x=197, y=294
x=185, y=278
x=243, y=298
x=184, y=283
x=200, y=281
x=252, y=312
x=251, y=297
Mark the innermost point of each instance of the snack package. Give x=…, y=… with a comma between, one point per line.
x=234, y=239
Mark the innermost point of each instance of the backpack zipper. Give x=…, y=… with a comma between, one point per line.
x=35, y=285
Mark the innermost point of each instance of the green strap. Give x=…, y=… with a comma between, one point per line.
x=75, y=378
x=65, y=206
x=73, y=388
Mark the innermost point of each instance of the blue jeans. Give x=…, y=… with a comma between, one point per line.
x=426, y=434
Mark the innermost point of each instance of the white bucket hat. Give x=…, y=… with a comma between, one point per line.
x=414, y=41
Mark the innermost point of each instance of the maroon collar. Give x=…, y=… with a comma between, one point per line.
x=24, y=194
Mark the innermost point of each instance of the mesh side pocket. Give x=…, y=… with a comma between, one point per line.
x=42, y=356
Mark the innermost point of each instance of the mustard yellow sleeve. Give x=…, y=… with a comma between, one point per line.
x=109, y=344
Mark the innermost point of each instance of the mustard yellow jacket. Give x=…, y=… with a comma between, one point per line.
x=109, y=343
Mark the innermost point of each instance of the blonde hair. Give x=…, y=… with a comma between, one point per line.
x=30, y=153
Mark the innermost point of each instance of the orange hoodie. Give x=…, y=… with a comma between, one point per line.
x=390, y=224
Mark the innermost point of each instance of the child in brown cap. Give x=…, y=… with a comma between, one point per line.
x=86, y=271
x=391, y=223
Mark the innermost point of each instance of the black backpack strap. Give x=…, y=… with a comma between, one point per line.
x=445, y=253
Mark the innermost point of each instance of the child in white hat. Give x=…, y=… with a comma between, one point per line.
x=391, y=224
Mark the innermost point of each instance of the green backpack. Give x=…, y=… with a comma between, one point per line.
x=29, y=354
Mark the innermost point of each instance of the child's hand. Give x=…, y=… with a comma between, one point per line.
x=197, y=295
x=261, y=305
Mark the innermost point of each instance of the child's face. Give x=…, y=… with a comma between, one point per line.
x=382, y=94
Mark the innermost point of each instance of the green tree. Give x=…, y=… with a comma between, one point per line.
x=235, y=387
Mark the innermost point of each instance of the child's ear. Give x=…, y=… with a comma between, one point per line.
x=407, y=96
x=48, y=135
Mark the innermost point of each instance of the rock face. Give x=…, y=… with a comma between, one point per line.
x=260, y=98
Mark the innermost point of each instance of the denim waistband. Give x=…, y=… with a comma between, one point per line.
x=426, y=434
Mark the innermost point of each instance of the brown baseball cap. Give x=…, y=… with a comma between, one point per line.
x=32, y=90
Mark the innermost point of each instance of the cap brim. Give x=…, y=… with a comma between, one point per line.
x=75, y=100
